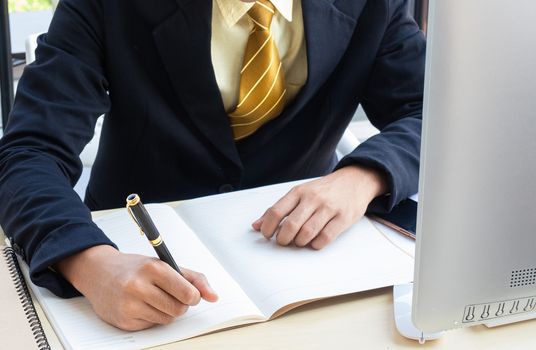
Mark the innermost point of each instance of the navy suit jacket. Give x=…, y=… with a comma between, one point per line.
x=147, y=66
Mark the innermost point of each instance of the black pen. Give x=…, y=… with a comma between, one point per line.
x=145, y=223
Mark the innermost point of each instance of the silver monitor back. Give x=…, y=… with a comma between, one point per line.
x=476, y=232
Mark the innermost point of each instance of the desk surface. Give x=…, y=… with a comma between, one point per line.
x=361, y=320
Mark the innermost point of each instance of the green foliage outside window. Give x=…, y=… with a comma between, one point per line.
x=29, y=5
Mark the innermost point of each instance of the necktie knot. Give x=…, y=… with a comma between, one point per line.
x=261, y=13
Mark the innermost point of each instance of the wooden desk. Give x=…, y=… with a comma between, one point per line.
x=357, y=321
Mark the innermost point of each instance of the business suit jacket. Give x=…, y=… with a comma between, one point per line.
x=147, y=66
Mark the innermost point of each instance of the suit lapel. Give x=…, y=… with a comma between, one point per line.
x=183, y=42
x=328, y=31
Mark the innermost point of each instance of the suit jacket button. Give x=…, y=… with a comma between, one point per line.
x=226, y=188
x=19, y=250
x=16, y=248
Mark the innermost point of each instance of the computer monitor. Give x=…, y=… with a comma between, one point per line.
x=476, y=224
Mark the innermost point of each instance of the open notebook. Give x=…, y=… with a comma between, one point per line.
x=256, y=279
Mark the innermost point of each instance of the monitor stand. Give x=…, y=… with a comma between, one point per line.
x=402, y=299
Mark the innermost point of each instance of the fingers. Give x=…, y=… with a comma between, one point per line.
x=133, y=324
x=331, y=231
x=312, y=227
x=160, y=295
x=160, y=298
x=137, y=315
x=134, y=292
x=199, y=281
x=297, y=217
x=171, y=282
x=294, y=223
x=150, y=314
x=158, y=307
x=163, y=302
x=271, y=219
x=315, y=212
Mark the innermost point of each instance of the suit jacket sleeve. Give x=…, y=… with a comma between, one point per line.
x=393, y=103
x=59, y=98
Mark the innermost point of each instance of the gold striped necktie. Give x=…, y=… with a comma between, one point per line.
x=262, y=81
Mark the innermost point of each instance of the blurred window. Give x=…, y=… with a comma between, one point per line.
x=29, y=5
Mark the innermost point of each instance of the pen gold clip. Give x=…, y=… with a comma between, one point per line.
x=132, y=200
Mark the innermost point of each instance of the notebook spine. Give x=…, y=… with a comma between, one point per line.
x=25, y=299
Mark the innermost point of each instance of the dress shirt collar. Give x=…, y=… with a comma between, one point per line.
x=233, y=10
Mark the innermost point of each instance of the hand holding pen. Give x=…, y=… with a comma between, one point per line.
x=133, y=291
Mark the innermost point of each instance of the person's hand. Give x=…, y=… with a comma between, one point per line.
x=317, y=212
x=133, y=292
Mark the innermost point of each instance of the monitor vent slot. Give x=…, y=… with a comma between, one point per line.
x=498, y=309
x=524, y=277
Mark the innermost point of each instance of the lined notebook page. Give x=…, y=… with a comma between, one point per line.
x=78, y=327
x=15, y=330
x=273, y=276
